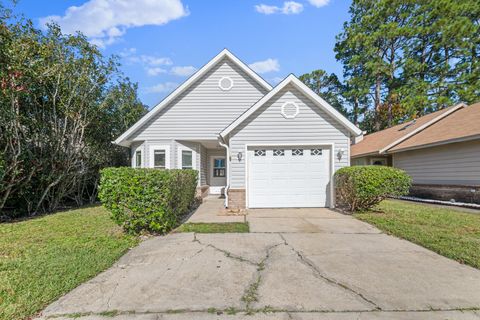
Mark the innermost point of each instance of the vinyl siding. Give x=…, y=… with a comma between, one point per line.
x=204, y=110
x=267, y=125
x=451, y=164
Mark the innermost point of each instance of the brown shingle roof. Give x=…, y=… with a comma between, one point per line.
x=461, y=124
x=373, y=143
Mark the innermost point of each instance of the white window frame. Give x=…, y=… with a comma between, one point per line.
x=212, y=166
x=225, y=88
x=290, y=116
x=165, y=147
x=383, y=160
x=134, y=157
x=179, y=156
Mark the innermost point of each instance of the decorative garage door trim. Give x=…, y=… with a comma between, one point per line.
x=285, y=146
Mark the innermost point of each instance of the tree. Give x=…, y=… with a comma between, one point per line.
x=62, y=103
x=407, y=58
x=326, y=86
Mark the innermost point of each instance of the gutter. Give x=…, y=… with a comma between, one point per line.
x=227, y=156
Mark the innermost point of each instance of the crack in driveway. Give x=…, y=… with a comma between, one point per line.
x=321, y=275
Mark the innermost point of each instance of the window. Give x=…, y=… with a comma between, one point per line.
x=225, y=83
x=159, y=156
x=260, y=153
x=218, y=167
x=316, y=152
x=159, y=159
x=138, y=159
x=297, y=152
x=278, y=152
x=290, y=110
x=187, y=159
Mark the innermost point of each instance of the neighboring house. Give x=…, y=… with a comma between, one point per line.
x=440, y=151
x=258, y=145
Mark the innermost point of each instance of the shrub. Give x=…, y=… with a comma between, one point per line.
x=362, y=187
x=147, y=199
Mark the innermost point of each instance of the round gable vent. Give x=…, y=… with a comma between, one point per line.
x=225, y=83
x=290, y=109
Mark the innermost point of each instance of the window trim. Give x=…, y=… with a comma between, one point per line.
x=212, y=161
x=179, y=156
x=383, y=160
x=225, y=88
x=134, y=157
x=154, y=147
x=290, y=116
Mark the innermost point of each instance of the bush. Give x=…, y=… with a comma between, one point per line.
x=147, y=199
x=362, y=187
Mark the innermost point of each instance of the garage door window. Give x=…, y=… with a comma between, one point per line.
x=297, y=152
x=260, y=153
x=278, y=152
x=316, y=152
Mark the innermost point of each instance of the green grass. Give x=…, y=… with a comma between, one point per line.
x=231, y=227
x=449, y=232
x=43, y=258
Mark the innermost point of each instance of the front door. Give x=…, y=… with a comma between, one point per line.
x=218, y=175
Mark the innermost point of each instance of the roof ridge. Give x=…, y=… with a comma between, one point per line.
x=423, y=127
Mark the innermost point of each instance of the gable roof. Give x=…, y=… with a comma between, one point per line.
x=291, y=79
x=122, y=140
x=381, y=141
x=461, y=125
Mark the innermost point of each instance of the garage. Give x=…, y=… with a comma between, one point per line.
x=288, y=176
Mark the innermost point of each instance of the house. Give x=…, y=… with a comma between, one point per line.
x=259, y=146
x=440, y=151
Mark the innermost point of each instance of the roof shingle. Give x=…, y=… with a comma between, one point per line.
x=374, y=142
x=461, y=124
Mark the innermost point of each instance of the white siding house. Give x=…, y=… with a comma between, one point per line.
x=212, y=122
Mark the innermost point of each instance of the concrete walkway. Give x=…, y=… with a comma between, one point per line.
x=212, y=211
x=297, y=264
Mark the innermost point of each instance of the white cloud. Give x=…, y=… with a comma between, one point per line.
x=127, y=52
x=319, y=3
x=184, y=71
x=289, y=7
x=155, y=71
x=154, y=61
x=265, y=66
x=162, y=87
x=263, y=8
x=105, y=21
x=275, y=80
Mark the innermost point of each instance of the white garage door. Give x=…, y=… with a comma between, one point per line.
x=296, y=176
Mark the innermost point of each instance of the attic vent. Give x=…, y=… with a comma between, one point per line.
x=411, y=123
x=225, y=83
x=290, y=110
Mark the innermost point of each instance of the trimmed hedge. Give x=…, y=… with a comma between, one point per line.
x=148, y=200
x=361, y=187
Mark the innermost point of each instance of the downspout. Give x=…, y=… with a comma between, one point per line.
x=227, y=156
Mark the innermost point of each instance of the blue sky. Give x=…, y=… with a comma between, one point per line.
x=161, y=43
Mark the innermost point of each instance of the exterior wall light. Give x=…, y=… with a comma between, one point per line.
x=340, y=154
x=239, y=156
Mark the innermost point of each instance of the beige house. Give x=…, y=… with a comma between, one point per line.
x=440, y=151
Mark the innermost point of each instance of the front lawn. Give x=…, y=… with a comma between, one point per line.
x=43, y=258
x=449, y=232
x=229, y=227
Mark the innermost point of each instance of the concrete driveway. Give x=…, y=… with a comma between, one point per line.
x=296, y=264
